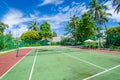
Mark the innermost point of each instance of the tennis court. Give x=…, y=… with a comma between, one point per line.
x=65, y=64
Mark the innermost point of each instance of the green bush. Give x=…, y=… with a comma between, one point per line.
x=29, y=45
x=112, y=47
x=31, y=35
x=55, y=43
x=113, y=39
x=90, y=44
x=68, y=41
x=1, y=33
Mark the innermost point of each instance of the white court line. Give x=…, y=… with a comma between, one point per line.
x=14, y=66
x=86, y=62
x=30, y=77
x=88, y=78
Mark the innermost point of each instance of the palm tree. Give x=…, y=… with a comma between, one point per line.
x=73, y=23
x=119, y=23
x=33, y=26
x=117, y=3
x=96, y=10
x=3, y=26
x=104, y=18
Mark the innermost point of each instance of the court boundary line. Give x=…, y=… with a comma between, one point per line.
x=33, y=65
x=100, y=73
x=86, y=61
x=14, y=65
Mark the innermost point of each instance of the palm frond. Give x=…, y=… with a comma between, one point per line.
x=117, y=9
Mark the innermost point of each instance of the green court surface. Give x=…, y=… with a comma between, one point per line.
x=66, y=64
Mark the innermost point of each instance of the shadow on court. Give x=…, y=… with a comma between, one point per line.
x=42, y=52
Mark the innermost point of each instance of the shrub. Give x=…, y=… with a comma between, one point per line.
x=113, y=37
x=30, y=35
x=29, y=45
x=90, y=44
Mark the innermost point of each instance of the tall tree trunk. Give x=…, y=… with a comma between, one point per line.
x=105, y=26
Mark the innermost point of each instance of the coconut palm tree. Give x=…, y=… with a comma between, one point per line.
x=104, y=18
x=73, y=23
x=3, y=26
x=117, y=3
x=119, y=23
x=33, y=26
x=96, y=10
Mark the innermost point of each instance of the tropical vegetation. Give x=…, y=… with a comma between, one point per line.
x=30, y=35
x=45, y=31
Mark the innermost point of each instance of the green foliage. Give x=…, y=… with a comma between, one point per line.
x=71, y=27
x=7, y=42
x=90, y=45
x=112, y=47
x=113, y=37
x=113, y=30
x=54, y=34
x=3, y=26
x=30, y=35
x=98, y=10
x=55, y=43
x=86, y=26
x=1, y=33
x=80, y=28
x=116, y=3
x=45, y=30
x=33, y=26
x=67, y=41
x=29, y=45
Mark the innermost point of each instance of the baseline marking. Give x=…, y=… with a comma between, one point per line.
x=30, y=77
x=86, y=62
x=14, y=65
x=102, y=72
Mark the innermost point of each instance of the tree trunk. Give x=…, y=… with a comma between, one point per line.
x=105, y=26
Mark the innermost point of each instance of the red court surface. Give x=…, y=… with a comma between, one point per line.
x=10, y=59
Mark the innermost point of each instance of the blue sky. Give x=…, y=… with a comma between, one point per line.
x=56, y=12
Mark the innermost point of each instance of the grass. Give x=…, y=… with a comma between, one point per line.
x=65, y=64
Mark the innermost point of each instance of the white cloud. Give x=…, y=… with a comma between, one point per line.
x=56, y=2
x=14, y=17
x=17, y=32
x=65, y=9
x=57, y=20
x=75, y=3
x=23, y=28
x=115, y=17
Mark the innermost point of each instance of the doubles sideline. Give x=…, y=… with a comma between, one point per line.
x=102, y=72
x=14, y=66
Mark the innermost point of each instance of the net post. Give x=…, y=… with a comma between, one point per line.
x=17, y=48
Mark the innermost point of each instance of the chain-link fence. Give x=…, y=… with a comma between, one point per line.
x=28, y=43
x=7, y=43
x=111, y=41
